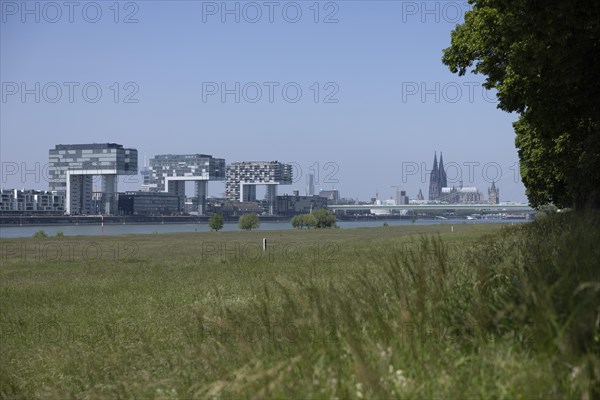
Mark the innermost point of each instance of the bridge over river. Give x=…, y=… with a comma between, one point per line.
x=508, y=208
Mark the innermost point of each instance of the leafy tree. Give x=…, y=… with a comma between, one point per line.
x=298, y=221
x=546, y=211
x=249, y=222
x=323, y=218
x=40, y=234
x=302, y=220
x=309, y=220
x=215, y=222
x=542, y=58
x=317, y=219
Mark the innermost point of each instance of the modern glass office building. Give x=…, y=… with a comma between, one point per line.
x=72, y=167
x=148, y=203
x=31, y=201
x=243, y=177
x=169, y=172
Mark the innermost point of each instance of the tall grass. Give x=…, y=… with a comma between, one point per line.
x=428, y=323
x=512, y=314
x=543, y=285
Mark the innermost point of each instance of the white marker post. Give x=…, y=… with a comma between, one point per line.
x=264, y=244
x=452, y=228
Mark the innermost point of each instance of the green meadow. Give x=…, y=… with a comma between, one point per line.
x=483, y=311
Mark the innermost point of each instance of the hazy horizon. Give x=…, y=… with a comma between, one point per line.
x=352, y=89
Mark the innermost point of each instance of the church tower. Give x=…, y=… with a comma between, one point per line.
x=434, y=180
x=493, y=194
x=442, y=174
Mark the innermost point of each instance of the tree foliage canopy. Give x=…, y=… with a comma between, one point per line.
x=317, y=219
x=215, y=222
x=323, y=218
x=303, y=220
x=543, y=58
x=249, y=222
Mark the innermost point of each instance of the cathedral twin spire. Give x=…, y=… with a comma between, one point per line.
x=437, y=179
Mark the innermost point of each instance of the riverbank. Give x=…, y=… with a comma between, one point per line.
x=66, y=220
x=43, y=220
x=396, y=312
x=25, y=231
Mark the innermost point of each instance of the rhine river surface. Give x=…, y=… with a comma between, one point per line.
x=94, y=230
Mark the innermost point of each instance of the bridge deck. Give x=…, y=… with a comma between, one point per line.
x=432, y=207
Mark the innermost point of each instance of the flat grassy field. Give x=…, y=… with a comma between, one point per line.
x=391, y=312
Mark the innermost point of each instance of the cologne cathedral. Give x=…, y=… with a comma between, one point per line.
x=437, y=179
x=439, y=191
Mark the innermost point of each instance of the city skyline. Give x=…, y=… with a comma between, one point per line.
x=436, y=178
x=374, y=92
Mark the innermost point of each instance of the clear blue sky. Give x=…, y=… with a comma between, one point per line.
x=377, y=58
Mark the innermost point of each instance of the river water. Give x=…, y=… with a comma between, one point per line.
x=94, y=230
